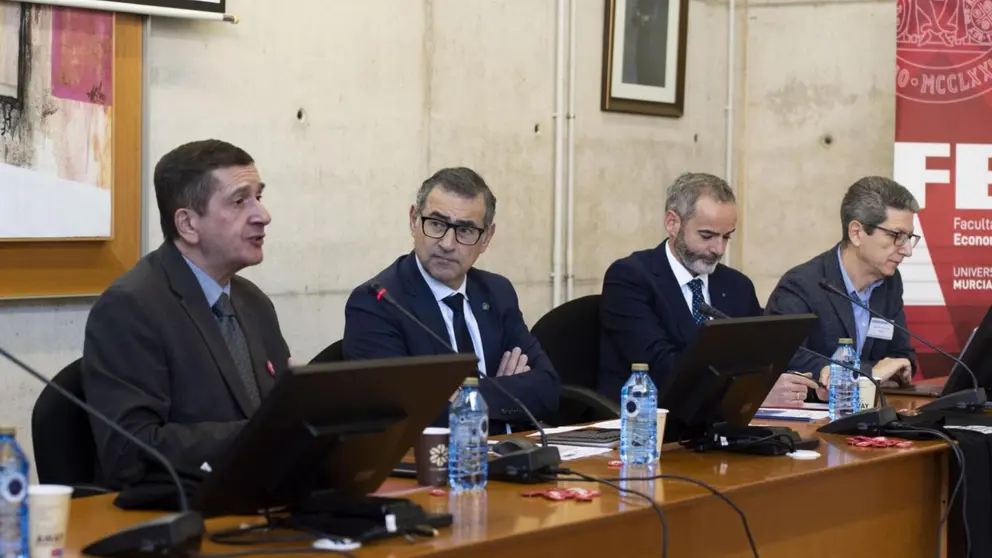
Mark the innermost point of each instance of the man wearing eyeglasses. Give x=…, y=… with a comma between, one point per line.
x=477, y=311
x=877, y=219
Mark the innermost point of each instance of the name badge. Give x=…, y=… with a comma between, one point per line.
x=879, y=329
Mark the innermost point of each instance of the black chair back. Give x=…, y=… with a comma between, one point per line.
x=569, y=335
x=333, y=353
x=64, y=449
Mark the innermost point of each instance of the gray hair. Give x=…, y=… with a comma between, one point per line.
x=868, y=200
x=463, y=182
x=690, y=186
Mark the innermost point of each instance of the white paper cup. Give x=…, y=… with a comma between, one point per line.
x=866, y=394
x=662, y=417
x=48, y=513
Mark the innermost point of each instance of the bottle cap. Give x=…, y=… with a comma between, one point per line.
x=639, y=367
x=472, y=381
x=8, y=430
x=846, y=341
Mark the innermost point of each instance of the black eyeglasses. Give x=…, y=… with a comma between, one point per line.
x=464, y=234
x=901, y=238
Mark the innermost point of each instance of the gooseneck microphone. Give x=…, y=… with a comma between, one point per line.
x=866, y=421
x=522, y=466
x=175, y=535
x=966, y=400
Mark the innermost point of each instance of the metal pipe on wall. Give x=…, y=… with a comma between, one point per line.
x=559, y=155
x=731, y=75
x=570, y=157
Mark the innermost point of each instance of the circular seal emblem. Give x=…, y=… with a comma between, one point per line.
x=13, y=487
x=944, y=50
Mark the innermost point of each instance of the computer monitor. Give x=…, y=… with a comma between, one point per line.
x=977, y=354
x=727, y=372
x=338, y=427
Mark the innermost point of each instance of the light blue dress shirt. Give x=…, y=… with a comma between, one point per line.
x=442, y=291
x=862, y=318
x=211, y=289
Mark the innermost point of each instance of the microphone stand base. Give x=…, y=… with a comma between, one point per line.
x=527, y=466
x=870, y=422
x=966, y=401
x=176, y=535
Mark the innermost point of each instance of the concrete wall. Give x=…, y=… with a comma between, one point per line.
x=392, y=90
x=818, y=113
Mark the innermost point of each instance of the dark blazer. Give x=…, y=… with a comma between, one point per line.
x=373, y=329
x=799, y=292
x=155, y=362
x=644, y=316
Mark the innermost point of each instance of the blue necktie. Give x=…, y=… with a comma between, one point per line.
x=696, y=286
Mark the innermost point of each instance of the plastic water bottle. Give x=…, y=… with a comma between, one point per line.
x=14, y=470
x=844, y=397
x=638, y=418
x=468, y=443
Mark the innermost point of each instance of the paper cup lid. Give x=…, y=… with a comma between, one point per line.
x=49, y=489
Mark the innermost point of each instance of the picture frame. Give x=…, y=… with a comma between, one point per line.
x=644, y=53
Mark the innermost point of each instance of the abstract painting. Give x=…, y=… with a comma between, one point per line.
x=644, y=56
x=56, y=157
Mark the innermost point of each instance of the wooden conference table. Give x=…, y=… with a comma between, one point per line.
x=851, y=501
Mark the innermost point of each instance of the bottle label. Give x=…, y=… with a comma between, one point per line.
x=13, y=487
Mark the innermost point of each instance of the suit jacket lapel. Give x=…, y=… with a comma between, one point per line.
x=718, y=294
x=673, y=293
x=876, y=303
x=190, y=295
x=486, y=316
x=423, y=304
x=841, y=306
x=255, y=345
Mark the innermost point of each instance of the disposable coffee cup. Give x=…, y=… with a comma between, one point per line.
x=431, y=455
x=866, y=394
x=48, y=518
x=662, y=418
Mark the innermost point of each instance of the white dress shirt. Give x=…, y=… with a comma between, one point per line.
x=442, y=291
x=683, y=276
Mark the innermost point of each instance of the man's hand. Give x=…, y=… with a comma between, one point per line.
x=513, y=362
x=893, y=371
x=292, y=363
x=790, y=389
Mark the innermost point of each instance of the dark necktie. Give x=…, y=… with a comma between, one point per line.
x=237, y=345
x=696, y=286
x=462, y=337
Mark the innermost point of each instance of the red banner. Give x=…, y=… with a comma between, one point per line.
x=943, y=147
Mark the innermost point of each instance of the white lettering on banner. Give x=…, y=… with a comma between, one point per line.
x=971, y=183
x=972, y=272
x=972, y=224
x=972, y=285
x=972, y=240
x=911, y=170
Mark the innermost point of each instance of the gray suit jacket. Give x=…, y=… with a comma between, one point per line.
x=799, y=292
x=155, y=362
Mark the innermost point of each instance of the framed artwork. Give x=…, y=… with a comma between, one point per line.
x=70, y=149
x=644, y=48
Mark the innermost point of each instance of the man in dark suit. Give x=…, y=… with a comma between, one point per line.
x=877, y=219
x=649, y=306
x=179, y=350
x=452, y=225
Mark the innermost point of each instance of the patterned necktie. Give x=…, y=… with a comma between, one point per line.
x=696, y=286
x=237, y=345
x=462, y=337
